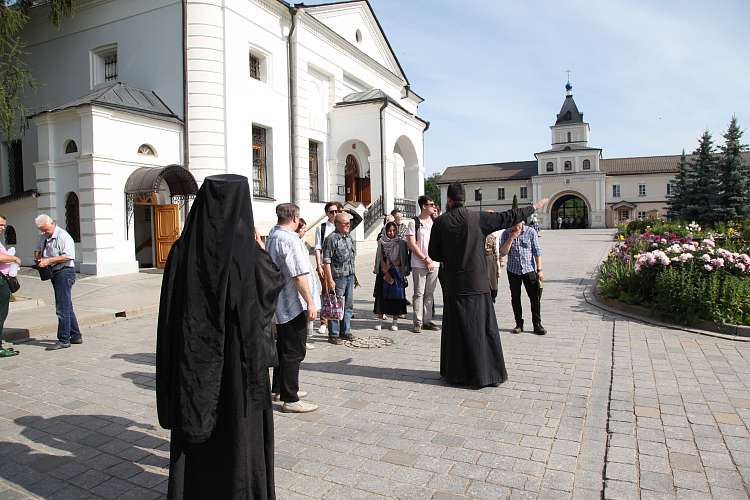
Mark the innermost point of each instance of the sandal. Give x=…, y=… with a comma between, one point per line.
x=6, y=353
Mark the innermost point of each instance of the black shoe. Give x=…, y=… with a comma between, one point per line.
x=76, y=341
x=335, y=341
x=539, y=329
x=347, y=336
x=58, y=345
x=517, y=329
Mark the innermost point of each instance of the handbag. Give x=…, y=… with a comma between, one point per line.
x=395, y=290
x=13, y=283
x=332, y=306
x=45, y=273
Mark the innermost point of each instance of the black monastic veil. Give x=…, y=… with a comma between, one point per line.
x=214, y=347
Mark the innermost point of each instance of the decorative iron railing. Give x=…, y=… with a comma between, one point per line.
x=408, y=207
x=374, y=214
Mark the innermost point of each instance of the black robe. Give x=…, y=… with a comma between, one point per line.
x=214, y=347
x=470, y=350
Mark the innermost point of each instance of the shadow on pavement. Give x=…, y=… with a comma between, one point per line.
x=141, y=358
x=345, y=367
x=102, y=456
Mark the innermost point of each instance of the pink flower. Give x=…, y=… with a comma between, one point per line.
x=708, y=267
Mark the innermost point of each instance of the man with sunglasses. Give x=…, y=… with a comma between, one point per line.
x=423, y=269
x=326, y=229
x=339, y=254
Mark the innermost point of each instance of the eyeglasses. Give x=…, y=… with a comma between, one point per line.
x=334, y=211
x=345, y=223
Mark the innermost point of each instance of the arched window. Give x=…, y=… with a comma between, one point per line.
x=358, y=36
x=550, y=166
x=145, y=149
x=568, y=136
x=568, y=166
x=71, y=147
x=10, y=235
x=587, y=164
x=72, y=217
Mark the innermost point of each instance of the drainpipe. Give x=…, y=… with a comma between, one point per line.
x=292, y=70
x=382, y=157
x=185, y=141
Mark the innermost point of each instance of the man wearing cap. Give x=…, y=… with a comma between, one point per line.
x=470, y=350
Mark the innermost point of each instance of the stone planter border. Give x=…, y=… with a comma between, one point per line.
x=738, y=333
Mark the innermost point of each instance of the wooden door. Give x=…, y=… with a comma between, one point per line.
x=166, y=231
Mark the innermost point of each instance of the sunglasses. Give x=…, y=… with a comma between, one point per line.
x=334, y=211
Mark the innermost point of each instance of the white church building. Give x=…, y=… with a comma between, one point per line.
x=137, y=101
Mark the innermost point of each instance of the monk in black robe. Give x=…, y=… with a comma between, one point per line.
x=214, y=347
x=470, y=350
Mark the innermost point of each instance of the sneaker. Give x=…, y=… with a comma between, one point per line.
x=309, y=346
x=539, y=329
x=322, y=330
x=58, y=345
x=379, y=326
x=517, y=329
x=431, y=326
x=76, y=341
x=417, y=328
x=298, y=407
x=394, y=326
x=335, y=340
x=300, y=395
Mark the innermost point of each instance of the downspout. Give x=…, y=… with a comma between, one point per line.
x=382, y=157
x=185, y=142
x=292, y=71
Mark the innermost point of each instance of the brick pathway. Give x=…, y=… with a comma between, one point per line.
x=600, y=404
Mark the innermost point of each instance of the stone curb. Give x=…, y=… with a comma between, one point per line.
x=641, y=314
x=87, y=321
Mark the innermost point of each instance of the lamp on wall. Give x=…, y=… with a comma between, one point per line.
x=340, y=190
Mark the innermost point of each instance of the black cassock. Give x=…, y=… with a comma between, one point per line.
x=214, y=347
x=470, y=350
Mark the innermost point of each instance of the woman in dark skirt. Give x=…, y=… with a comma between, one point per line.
x=391, y=268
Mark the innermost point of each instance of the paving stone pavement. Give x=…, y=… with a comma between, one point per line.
x=601, y=407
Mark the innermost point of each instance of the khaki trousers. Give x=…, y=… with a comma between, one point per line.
x=424, y=294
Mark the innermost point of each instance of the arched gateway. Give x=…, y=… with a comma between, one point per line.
x=569, y=211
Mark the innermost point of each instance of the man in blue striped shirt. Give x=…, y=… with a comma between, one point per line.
x=521, y=244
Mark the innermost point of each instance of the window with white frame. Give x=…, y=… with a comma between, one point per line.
x=500, y=193
x=624, y=214
x=478, y=194
x=524, y=193
x=258, y=66
x=550, y=166
x=641, y=215
x=567, y=166
x=615, y=190
x=313, y=171
x=261, y=166
x=104, y=65
x=641, y=189
x=670, y=188
x=587, y=164
x=569, y=137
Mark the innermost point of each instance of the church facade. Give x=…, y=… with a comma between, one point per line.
x=138, y=101
x=585, y=189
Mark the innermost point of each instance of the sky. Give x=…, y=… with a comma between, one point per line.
x=649, y=76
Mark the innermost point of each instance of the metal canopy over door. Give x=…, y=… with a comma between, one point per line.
x=166, y=231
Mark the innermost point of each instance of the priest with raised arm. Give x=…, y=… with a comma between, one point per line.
x=470, y=350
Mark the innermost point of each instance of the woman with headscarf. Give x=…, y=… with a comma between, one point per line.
x=391, y=267
x=214, y=348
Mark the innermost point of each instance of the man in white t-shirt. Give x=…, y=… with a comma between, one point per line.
x=424, y=270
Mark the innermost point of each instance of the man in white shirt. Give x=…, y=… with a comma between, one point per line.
x=424, y=270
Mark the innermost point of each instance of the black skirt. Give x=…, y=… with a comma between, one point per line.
x=470, y=350
x=388, y=307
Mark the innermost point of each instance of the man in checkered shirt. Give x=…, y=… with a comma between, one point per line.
x=521, y=244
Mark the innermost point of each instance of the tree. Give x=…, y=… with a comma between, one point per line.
x=704, y=205
x=15, y=77
x=733, y=174
x=432, y=189
x=681, y=190
x=515, y=201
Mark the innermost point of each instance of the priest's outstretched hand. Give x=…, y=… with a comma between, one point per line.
x=539, y=204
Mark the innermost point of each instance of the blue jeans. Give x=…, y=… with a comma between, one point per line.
x=344, y=288
x=67, y=324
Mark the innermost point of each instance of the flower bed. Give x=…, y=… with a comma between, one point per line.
x=684, y=274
